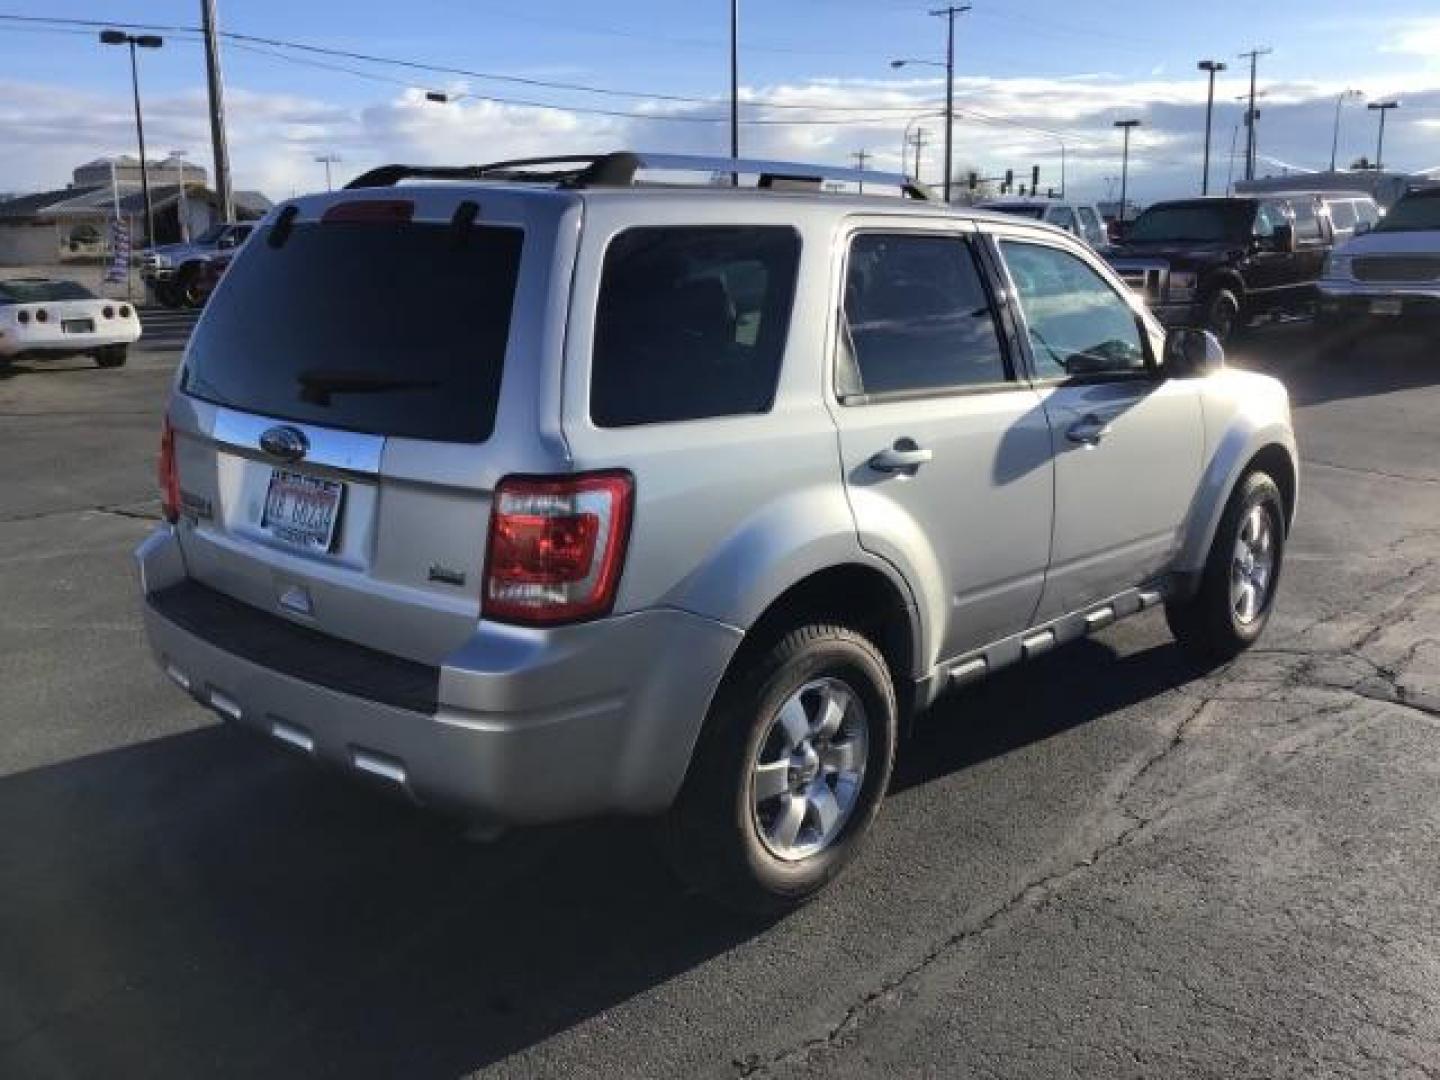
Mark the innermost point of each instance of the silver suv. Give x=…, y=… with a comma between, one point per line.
x=532, y=491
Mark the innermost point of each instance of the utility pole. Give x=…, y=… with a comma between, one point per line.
x=216, y=86
x=1212, y=66
x=1125, y=126
x=1250, y=143
x=949, y=14
x=1382, y=107
x=918, y=140
x=861, y=156
x=735, y=86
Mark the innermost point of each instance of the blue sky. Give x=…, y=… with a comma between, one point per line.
x=1069, y=67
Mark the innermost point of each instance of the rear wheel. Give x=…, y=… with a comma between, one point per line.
x=1230, y=609
x=789, y=772
x=112, y=356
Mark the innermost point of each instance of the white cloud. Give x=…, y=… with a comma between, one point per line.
x=1416, y=37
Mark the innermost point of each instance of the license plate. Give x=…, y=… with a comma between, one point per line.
x=78, y=326
x=1385, y=307
x=302, y=510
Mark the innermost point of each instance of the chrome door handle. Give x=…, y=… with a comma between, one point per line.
x=1088, y=431
x=905, y=456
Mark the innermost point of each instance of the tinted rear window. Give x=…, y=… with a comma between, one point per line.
x=691, y=323
x=394, y=329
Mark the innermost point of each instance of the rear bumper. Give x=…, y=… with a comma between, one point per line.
x=528, y=725
x=57, y=346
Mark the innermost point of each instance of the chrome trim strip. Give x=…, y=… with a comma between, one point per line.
x=350, y=451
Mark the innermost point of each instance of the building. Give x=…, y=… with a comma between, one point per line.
x=125, y=171
x=1385, y=187
x=49, y=226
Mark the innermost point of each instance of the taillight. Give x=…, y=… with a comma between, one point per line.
x=124, y=311
x=42, y=315
x=557, y=546
x=169, y=476
x=23, y=316
x=108, y=311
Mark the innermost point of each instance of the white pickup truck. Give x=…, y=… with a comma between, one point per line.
x=1389, y=273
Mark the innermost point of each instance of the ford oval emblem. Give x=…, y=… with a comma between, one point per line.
x=285, y=442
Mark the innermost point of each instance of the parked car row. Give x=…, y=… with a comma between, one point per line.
x=1228, y=263
x=611, y=562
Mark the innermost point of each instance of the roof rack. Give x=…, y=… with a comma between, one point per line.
x=619, y=170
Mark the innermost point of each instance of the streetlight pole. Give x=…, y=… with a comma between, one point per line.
x=905, y=141
x=1382, y=107
x=144, y=41
x=949, y=13
x=327, y=160
x=1212, y=66
x=1125, y=126
x=735, y=85
x=1335, y=138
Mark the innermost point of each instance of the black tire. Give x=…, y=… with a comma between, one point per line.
x=112, y=356
x=1223, y=314
x=1207, y=625
x=167, y=294
x=187, y=286
x=711, y=835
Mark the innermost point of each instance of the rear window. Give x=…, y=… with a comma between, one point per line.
x=34, y=291
x=691, y=323
x=393, y=329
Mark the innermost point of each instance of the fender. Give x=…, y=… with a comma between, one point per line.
x=783, y=543
x=1244, y=414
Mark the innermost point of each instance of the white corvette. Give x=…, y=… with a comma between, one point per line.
x=46, y=317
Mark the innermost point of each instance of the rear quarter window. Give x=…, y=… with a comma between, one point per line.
x=691, y=323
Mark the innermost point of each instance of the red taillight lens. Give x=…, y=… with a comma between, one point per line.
x=108, y=312
x=42, y=315
x=169, y=477
x=557, y=546
x=124, y=311
x=23, y=316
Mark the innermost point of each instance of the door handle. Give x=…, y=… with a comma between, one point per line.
x=1088, y=431
x=904, y=457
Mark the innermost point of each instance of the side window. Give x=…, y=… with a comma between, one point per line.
x=917, y=316
x=1367, y=211
x=1063, y=217
x=1094, y=231
x=691, y=322
x=1307, y=222
x=1342, y=215
x=1078, y=324
x=1267, y=218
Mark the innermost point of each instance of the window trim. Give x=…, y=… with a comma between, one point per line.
x=675, y=226
x=1151, y=372
x=970, y=240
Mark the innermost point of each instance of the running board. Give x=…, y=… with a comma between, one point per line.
x=1038, y=640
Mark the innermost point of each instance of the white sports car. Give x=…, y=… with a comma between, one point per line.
x=46, y=317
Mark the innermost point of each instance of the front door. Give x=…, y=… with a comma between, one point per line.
x=945, y=451
x=1127, y=442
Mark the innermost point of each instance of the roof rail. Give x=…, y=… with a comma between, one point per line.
x=619, y=169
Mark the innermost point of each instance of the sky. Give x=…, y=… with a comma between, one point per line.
x=816, y=76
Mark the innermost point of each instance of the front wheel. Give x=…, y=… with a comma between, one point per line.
x=1229, y=611
x=1222, y=315
x=789, y=773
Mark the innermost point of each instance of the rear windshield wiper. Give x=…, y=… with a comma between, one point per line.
x=317, y=385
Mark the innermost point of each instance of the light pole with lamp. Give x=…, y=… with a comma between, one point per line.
x=327, y=160
x=1382, y=107
x=905, y=142
x=143, y=41
x=1335, y=137
x=1212, y=66
x=1125, y=126
x=948, y=13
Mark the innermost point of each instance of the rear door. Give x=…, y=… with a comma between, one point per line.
x=946, y=453
x=1127, y=442
x=366, y=370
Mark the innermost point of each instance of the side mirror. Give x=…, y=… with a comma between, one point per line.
x=1192, y=353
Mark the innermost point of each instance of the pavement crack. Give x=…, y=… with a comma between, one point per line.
x=1032, y=894
x=1407, y=477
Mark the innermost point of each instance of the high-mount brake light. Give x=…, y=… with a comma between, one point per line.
x=372, y=211
x=556, y=547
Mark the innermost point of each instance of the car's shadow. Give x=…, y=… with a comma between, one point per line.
x=204, y=903
x=47, y=367
x=1318, y=366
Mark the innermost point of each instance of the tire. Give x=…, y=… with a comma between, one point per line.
x=1218, y=623
x=112, y=356
x=1223, y=315
x=187, y=286
x=166, y=293
x=727, y=839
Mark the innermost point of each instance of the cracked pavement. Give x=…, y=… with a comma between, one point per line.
x=1103, y=863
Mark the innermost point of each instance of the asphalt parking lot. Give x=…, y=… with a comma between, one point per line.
x=1103, y=864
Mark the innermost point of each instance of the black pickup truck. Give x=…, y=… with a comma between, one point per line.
x=1225, y=263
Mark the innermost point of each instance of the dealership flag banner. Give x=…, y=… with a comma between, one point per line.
x=119, y=268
